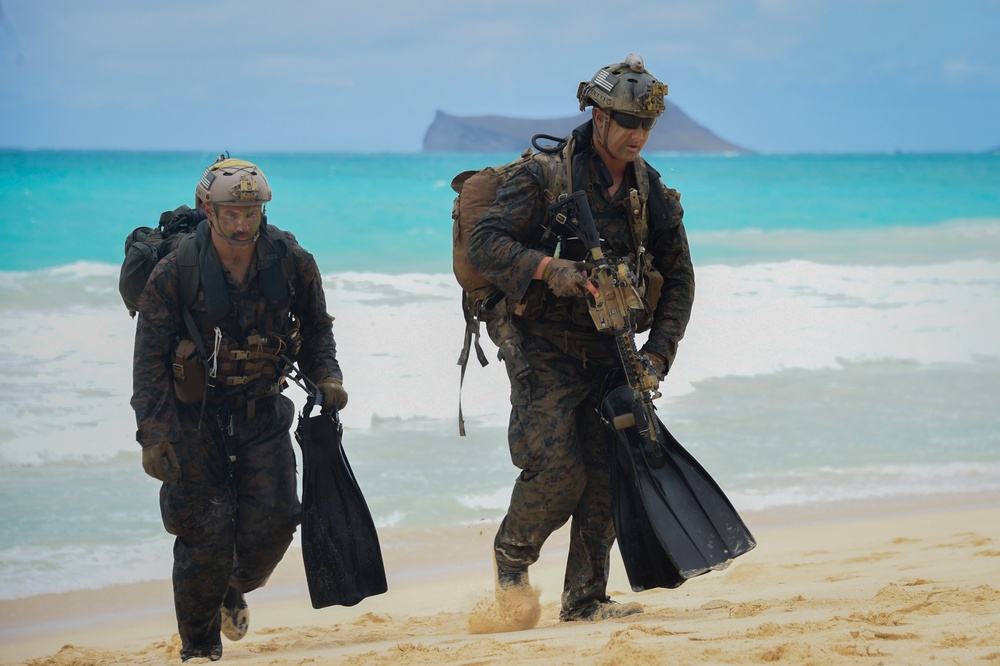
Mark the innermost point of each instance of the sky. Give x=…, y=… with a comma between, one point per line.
x=773, y=76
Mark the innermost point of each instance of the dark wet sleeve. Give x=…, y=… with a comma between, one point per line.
x=156, y=333
x=500, y=245
x=672, y=257
x=318, y=358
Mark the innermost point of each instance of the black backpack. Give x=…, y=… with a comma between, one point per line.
x=145, y=246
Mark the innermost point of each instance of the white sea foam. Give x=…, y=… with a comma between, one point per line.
x=498, y=500
x=867, y=483
x=47, y=569
x=951, y=240
x=67, y=369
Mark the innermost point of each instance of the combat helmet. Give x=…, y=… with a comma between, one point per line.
x=232, y=182
x=624, y=86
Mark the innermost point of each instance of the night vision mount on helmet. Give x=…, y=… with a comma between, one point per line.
x=625, y=86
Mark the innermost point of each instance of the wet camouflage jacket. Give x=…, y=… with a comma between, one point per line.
x=160, y=325
x=503, y=245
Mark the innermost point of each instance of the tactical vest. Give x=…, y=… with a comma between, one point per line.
x=243, y=333
x=539, y=302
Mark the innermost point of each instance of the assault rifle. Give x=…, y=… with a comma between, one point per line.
x=614, y=310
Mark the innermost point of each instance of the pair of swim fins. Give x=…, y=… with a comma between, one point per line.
x=340, y=546
x=672, y=520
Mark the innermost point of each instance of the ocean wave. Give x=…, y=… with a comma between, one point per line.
x=945, y=242
x=27, y=571
x=67, y=372
x=82, y=284
x=872, y=483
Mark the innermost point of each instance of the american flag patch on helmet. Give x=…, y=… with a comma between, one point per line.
x=605, y=80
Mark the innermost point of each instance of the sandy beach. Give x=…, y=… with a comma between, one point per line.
x=910, y=585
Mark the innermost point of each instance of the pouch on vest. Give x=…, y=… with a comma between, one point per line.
x=654, y=286
x=189, y=373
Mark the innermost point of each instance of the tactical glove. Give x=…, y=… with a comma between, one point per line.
x=659, y=364
x=160, y=462
x=334, y=394
x=565, y=277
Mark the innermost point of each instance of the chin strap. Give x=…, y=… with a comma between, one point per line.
x=602, y=141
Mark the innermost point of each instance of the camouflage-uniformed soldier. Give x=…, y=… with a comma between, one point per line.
x=220, y=444
x=555, y=434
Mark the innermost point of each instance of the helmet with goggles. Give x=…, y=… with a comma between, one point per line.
x=232, y=182
x=624, y=87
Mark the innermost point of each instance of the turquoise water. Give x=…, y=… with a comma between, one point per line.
x=842, y=348
x=391, y=213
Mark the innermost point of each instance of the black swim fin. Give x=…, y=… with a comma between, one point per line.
x=340, y=547
x=672, y=519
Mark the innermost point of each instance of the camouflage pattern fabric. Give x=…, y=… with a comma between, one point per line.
x=557, y=441
x=503, y=245
x=233, y=519
x=555, y=434
x=160, y=325
x=233, y=511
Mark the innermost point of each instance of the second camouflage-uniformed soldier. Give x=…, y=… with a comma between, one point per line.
x=555, y=434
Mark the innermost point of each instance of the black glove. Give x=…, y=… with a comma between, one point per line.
x=334, y=394
x=565, y=277
x=160, y=462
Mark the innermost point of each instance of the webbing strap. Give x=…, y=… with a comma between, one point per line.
x=249, y=355
x=568, y=161
x=471, y=335
x=638, y=218
x=202, y=356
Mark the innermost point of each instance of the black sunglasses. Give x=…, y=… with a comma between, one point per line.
x=630, y=122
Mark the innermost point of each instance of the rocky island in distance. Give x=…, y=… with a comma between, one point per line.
x=675, y=132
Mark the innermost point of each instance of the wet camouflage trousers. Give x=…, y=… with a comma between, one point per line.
x=558, y=442
x=233, y=519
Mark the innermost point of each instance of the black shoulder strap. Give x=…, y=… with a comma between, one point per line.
x=187, y=263
x=277, y=287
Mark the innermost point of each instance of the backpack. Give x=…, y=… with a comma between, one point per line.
x=476, y=191
x=144, y=248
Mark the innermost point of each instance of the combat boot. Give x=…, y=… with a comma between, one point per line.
x=511, y=578
x=202, y=655
x=235, y=615
x=599, y=610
